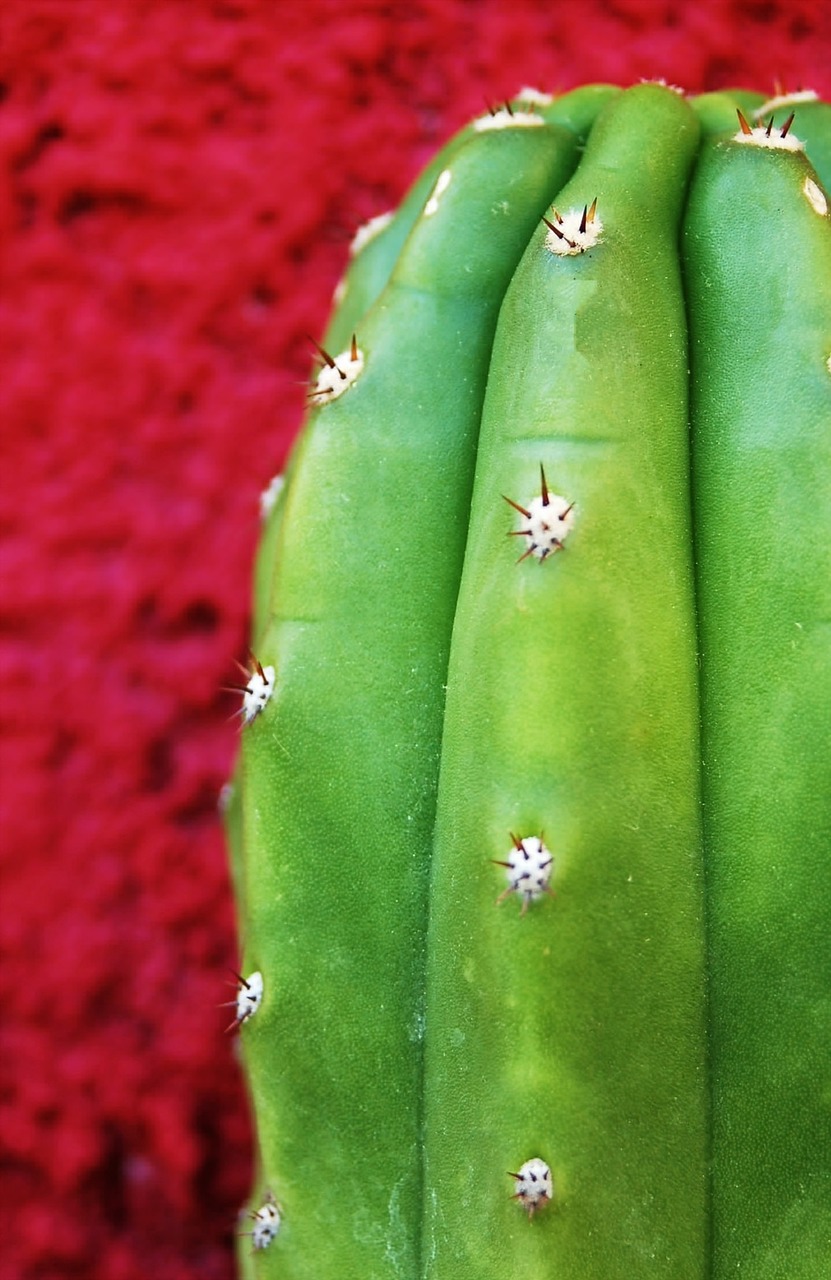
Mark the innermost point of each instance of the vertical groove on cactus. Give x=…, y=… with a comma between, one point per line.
x=550, y=575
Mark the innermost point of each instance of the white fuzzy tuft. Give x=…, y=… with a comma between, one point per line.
x=528, y=866
x=266, y=1224
x=507, y=119
x=664, y=84
x=535, y=97
x=772, y=139
x=249, y=996
x=782, y=101
x=441, y=185
x=368, y=231
x=257, y=693
x=815, y=196
x=534, y=1185
x=546, y=523
x=573, y=232
x=337, y=377
x=270, y=494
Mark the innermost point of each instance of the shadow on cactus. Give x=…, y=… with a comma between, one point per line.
x=531, y=828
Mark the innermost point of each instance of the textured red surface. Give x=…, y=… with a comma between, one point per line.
x=180, y=181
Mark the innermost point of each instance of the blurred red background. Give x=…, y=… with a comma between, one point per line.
x=181, y=179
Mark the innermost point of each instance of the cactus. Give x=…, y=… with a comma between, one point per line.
x=531, y=828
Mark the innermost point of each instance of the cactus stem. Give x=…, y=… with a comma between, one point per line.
x=535, y=1186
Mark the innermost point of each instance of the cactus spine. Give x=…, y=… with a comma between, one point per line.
x=608, y=1057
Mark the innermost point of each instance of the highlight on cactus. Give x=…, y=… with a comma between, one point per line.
x=607, y=339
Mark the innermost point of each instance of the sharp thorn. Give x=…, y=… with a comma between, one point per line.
x=743, y=125
x=783, y=132
x=522, y=511
x=325, y=354
x=545, y=494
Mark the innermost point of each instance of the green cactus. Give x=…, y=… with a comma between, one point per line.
x=531, y=829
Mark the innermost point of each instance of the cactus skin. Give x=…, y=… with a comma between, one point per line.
x=653, y=698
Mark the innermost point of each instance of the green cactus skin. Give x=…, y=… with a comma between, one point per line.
x=352, y=731
x=652, y=700
x=761, y=419
x=601, y=752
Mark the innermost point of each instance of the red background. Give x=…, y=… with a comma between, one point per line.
x=180, y=182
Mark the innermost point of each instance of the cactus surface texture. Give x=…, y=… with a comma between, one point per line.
x=531, y=826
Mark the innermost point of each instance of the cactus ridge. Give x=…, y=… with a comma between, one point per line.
x=530, y=823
